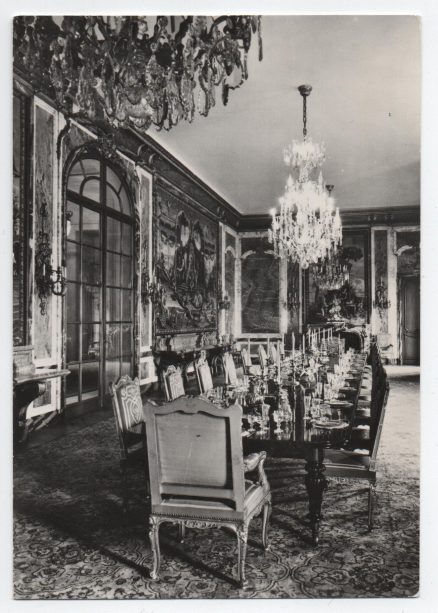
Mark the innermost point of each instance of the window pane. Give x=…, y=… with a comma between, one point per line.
x=91, y=300
x=126, y=305
x=112, y=340
x=126, y=366
x=112, y=179
x=72, y=298
x=72, y=343
x=75, y=178
x=73, y=380
x=113, y=234
x=91, y=189
x=90, y=227
x=126, y=238
x=90, y=377
x=75, y=230
x=91, y=342
x=73, y=251
x=91, y=269
x=113, y=304
x=112, y=199
x=112, y=372
x=124, y=201
x=91, y=167
x=126, y=349
x=112, y=268
x=126, y=279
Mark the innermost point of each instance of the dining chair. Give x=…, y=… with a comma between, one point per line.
x=353, y=467
x=248, y=367
x=173, y=383
x=273, y=353
x=203, y=374
x=197, y=473
x=263, y=357
x=130, y=426
x=229, y=369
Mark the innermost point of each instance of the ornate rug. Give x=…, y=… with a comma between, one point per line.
x=72, y=541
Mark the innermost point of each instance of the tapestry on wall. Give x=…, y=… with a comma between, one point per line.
x=260, y=287
x=349, y=302
x=186, y=266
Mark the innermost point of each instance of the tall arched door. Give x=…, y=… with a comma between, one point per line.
x=99, y=300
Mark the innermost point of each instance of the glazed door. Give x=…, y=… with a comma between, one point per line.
x=410, y=319
x=99, y=301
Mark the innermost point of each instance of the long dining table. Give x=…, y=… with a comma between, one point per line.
x=305, y=438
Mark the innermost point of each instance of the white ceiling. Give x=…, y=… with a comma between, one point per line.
x=365, y=108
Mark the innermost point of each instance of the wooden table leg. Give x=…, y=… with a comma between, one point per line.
x=316, y=483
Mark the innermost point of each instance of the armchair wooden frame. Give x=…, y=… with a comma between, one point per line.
x=203, y=374
x=189, y=488
x=130, y=426
x=173, y=382
x=351, y=467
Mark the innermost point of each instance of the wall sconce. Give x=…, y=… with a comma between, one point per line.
x=225, y=303
x=151, y=292
x=68, y=216
x=381, y=299
x=48, y=280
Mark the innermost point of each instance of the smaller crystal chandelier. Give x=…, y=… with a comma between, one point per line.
x=308, y=227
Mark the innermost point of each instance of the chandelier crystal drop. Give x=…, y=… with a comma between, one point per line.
x=135, y=71
x=307, y=228
x=332, y=273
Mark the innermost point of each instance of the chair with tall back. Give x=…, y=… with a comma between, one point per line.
x=197, y=470
x=356, y=467
x=203, y=374
x=130, y=426
x=263, y=357
x=229, y=369
x=273, y=353
x=173, y=383
x=248, y=367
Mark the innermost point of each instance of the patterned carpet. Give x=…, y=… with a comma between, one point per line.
x=71, y=540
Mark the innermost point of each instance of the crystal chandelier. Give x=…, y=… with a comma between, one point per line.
x=331, y=273
x=308, y=227
x=135, y=71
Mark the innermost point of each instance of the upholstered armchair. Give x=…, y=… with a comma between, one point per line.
x=197, y=473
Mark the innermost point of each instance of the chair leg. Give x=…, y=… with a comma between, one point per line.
x=371, y=497
x=181, y=532
x=155, y=546
x=266, y=514
x=242, y=537
x=124, y=485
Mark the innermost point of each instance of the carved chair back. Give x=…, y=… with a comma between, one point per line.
x=377, y=426
x=263, y=357
x=273, y=353
x=203, y=374
x=173, y=383
x=246, y=358
x=229, y=368
x=195, y=456
x=128, y=413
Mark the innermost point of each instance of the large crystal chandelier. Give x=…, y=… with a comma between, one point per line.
x=308, y=227
x=331, y=273
x=135, y=71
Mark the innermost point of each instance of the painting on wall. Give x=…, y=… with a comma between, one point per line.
x=350, y=302
x=260, y=287
x=186, y=243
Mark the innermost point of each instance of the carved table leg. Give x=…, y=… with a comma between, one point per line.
x=316, y=483
x=266, y=514
x=24, y=394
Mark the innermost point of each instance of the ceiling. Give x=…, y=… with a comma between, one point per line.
x=365, y=107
